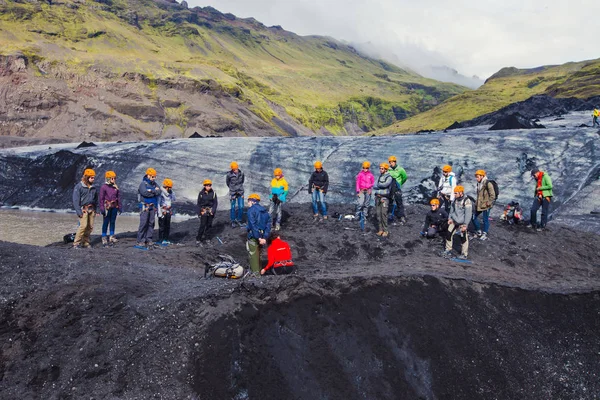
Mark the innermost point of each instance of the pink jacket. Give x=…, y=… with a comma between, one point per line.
x=364, y=180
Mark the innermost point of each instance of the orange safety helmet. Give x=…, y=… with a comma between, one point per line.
x=318, y=164
x=254, y=196
x=233, y=165
x=434, y=201
x=459, y=189
x=385, y=166
x=480, y=172
x=392, y=158
x=446, y=168
x=278, y=172
x=151, y=172
x=110, y=174
x=168, y=183
x=366, y=164
x=89, y=172
x=207, y=182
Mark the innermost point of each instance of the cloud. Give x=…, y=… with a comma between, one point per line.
x=475, y=37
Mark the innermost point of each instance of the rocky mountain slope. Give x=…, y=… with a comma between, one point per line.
x=580, y=80
x=140, y=69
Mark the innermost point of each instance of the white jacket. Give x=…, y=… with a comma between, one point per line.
x=447, y=184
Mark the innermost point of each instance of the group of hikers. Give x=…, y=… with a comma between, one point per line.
x=449, y=217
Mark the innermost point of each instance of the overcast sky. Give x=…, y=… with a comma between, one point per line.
x=476, y=37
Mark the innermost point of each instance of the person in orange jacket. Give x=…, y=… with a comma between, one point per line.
x=280, y=257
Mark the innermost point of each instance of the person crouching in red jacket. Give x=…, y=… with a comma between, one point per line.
x=280, y=257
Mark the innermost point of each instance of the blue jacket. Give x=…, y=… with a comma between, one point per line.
x=257, y=216
x=149, y=193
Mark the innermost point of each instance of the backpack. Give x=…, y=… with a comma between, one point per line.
x=226, y=268
x=264, y=219
x=495, y=186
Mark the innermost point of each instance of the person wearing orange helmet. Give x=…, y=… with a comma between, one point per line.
x=460, y=215
x=383, y=191
x=486, y=197
x=364, y=188
x=110, y=206
x=542, y=198
x=279, y=191
x=400, y=177
x=318, y=184
x=85, y=202
x=445, y=187
x=207, y=208
x=258, y=229
x=165, y=207
x=149, y=195
x=436, y=220
x=235, y=182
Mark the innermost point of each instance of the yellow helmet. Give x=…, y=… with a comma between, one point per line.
x=151, y=172
x=233, y=165
x=110, y=174
x=89, y=172
x=254, y=196
x=207, y=182
x=480, y=172
x=278, y=172
x=168, y=183
x=385, y=166
x=392, y=158
x=366, y=164
x=318, y=164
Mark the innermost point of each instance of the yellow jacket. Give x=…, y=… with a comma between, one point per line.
x=596, y=113
x=280, y=188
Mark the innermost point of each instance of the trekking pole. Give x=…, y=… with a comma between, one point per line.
x=219, y=239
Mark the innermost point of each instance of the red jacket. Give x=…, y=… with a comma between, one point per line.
x=278, y=251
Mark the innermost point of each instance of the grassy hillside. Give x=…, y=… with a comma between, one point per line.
x=509, y=85
x=316, y=81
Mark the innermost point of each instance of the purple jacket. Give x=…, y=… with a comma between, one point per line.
x=364, y=180
x=109, y=194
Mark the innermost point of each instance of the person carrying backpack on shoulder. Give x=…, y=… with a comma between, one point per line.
x=317, y=188
x=207, y=208
x=436, y=220
x=85, y=202
x=258, y=228
x=364, y=188
x=280, y=257
x=165, y=205
x=279, y=191
x=382, y=190
x=486, y=197
x=399, y=175
x=149, y=194
x=543, y=198
x=446, y=186
x=461, y=212
x=110, y=206
x=235, y=182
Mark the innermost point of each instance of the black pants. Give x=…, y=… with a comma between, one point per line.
x=205, y=224
x=281, y=270
x=397, y=198
x=164, y=227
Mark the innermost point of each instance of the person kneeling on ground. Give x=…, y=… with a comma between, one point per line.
x=461, y=212
x=259, y=228
x=436, y=220
x=280, y=257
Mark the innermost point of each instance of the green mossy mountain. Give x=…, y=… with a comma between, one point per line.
x=507, y=86
x=135, y=69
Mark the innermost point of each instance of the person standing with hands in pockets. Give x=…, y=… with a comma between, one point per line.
x=110, y=206
x=235, y=182
x=207, y=208
x=149, y=194
x=85, y=202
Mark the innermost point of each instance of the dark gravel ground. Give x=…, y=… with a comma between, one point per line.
x=363, y=318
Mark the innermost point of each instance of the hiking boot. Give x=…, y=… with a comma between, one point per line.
x=234, y=224
x=446, y=254
x=316, y=217
x=479, y=233
x=241, y=224
x=104, y=241
x=385, y=234
x=86, y=246
x=324, y=217
x=462, y=257
x=112, y=239
x=379, y=233
x=277, y=227
x=483, y=236
x=76, y=247
x=140, y=246
x=402, y=220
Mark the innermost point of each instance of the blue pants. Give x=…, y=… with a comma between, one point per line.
x=319, y=197
x=236, y=215
x=545, y=205
x=110, y=219
x=486, y=220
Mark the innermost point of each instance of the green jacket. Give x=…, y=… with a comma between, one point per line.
x=546, y=187
x=399, y=174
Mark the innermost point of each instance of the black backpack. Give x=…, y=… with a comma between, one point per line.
x=264, y=219
x=495, y=186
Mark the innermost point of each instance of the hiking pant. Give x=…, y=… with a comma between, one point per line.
x=253, y=254
x=545, y=205
x=397, y=198
x=445, y=201
x=164, y=227
x=486, y=220
x=109, y=220
x=319, y=197
x=595, y=122
x=362, y=204
x=431, y=232
x=381, y=208
x=275, y=209
x=454, y=232
x=146, y=228
x=206, y=220
x=237, y=208
x=281, y=270
x=86, y=226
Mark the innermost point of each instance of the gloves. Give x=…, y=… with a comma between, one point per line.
x=423, y=234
